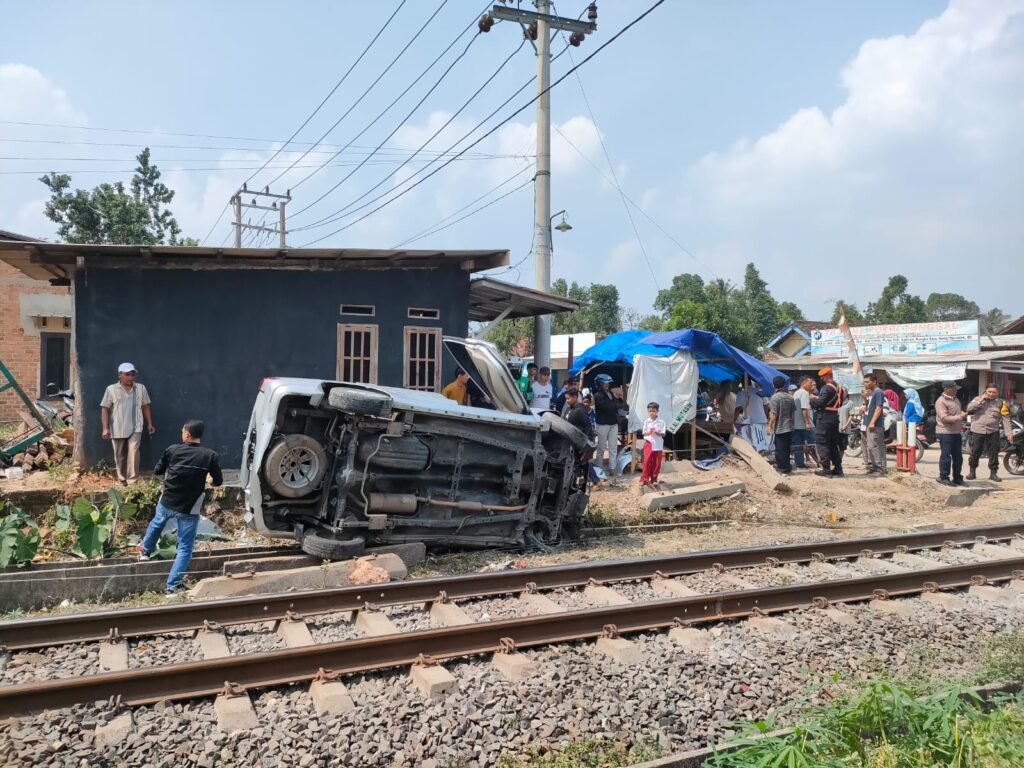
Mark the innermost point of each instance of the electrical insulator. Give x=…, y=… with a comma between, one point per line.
x=486, y=22
x=531, y=31
x=592, y=13
x=576, y=38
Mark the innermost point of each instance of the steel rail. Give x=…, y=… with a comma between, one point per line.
x=293, y=665
x=23, y=634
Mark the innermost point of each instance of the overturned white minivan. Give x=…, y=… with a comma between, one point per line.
x=337, y=465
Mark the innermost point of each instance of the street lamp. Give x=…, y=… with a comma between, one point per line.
x=563, y=226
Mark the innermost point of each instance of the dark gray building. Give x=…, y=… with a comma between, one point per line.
x=204, y=326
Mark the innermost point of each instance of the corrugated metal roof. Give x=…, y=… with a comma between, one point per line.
x=488, y=298
x=45, y=261
x=979, y=359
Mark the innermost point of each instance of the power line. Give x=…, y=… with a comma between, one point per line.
x=340, y=164
x=522, y=108
x=319, y=106
x=425, y=143
x=344, y=211
x=440, y=225
x=615, y=176
x=369, y=88
x=635, y=204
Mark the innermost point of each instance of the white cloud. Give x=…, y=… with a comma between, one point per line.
x=921, y=165
x=27, y=94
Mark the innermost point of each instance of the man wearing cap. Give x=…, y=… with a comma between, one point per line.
x=123, y=411
x=949, y=423
x=826, y=403
x=987, y=412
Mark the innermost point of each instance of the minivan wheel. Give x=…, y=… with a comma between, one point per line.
x=295, y=465
x=320, y=544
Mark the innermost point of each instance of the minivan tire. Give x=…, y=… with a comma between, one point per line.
x=359, y=402
x=295, y=466
x=318, y=544
x=552, y=422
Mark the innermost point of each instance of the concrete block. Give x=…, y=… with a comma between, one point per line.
x=944, y=600
x=992, y=552
x=878, y=566
x=775, y=628
x=1017, y=585
x=671, y=588
x=113, y=732
x=1017, y=543
x=824, y=569
x=914, y=561
x=539, y=604
x=789, y=575
x=375, y=624
x=213, y=645
x=841, y=618
x=689, y=495
x=691, y=638
x=515, y=666
x=995, y=595
x=619, y=649
x=114, y=656
x=902, y=608
x=235, y=713
x=602, y=595
x=433, y=682
x=344, y=573
x=294, y=633
x=965, y=497
x=448, y=615
x=330, y=697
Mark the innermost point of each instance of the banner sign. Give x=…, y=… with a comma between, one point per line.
x=911, y=340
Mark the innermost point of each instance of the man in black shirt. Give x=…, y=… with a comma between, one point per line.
x=576, y=413
x=185, y=466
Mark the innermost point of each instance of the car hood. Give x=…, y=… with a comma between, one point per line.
x=484, y=366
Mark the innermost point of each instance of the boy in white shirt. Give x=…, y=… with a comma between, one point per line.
x=654, y=446
x=542, y=391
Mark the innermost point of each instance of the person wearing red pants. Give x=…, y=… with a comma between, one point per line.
x=654, y=445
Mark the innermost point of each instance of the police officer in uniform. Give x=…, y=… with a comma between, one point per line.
x=827, y=402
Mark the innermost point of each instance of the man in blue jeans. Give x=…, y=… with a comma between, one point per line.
x=185, y=466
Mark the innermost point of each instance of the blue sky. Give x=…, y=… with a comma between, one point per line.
x=832, y=144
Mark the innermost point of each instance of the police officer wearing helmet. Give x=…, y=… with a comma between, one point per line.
x=826, y=403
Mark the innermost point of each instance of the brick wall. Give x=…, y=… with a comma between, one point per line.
x=19, y=350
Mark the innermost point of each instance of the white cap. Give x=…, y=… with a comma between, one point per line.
x=125, y=368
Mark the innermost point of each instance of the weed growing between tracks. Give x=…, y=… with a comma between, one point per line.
x=883, y=725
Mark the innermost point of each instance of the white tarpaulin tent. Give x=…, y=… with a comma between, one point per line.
x=669, y=381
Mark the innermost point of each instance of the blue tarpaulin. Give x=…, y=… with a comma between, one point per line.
x=718, y=361
x=619, y=348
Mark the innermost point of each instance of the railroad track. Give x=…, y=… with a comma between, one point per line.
x=881, y=568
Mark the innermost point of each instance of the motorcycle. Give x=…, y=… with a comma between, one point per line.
x=1013, y=459
x=58, y=407
x=855, y=445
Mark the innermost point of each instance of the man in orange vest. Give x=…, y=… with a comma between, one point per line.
x=827, y=402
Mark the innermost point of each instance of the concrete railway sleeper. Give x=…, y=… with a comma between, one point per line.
x=324, y=664
x=26, y=634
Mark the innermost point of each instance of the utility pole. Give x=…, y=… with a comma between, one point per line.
x=537, y=27
x=278, y=206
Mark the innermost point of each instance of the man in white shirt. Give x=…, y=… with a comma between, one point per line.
x=542, y=391
x=803, y=427
x=124, y=408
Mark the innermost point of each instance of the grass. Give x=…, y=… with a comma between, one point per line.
x=585, y=753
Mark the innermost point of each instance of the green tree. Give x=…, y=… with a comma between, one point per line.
x=111, y=214
x=950, y=306
x=994, y=320
x=685, y=287
x=896, y=305
x=512, y=337
x=853, y=315
x=599, y=314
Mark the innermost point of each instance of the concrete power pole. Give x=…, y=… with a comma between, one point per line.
x=537, y=27
x=278, y=207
